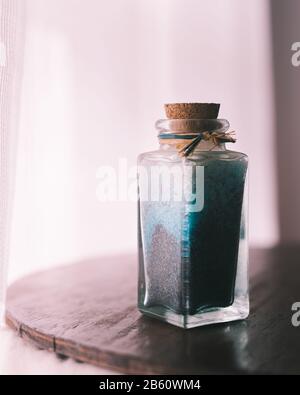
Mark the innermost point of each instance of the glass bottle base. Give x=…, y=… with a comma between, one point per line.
x=239, y=310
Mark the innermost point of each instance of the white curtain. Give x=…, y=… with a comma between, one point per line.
x=11, y=53
x=96, y=76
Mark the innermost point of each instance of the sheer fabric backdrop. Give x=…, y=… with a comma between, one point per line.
x=11, y=58
x=96, y=76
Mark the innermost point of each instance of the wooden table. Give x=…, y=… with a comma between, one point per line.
x=87, y=311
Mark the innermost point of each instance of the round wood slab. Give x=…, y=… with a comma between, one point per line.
x=87, y=311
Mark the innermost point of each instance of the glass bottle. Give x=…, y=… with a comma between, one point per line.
x=192, y=226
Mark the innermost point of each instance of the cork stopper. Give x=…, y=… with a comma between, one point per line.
x=192, y=110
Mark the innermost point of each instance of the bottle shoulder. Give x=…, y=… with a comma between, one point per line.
x=159, y=156
x=238, y=154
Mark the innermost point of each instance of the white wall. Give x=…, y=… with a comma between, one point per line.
x=96, y=76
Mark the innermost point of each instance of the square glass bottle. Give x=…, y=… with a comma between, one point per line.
x=192, y=221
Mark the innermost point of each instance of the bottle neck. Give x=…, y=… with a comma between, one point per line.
x=171, y=133
x=201, y=147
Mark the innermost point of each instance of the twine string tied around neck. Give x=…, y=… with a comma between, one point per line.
x=189, y=141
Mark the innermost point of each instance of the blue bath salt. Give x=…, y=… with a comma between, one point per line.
x=214, y=236
x=188, y=260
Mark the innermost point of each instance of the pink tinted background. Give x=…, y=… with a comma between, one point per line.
x=96, y=76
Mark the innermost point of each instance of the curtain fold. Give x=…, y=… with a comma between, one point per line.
x=11, y=55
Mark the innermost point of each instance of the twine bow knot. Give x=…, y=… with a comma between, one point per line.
x=186, y=148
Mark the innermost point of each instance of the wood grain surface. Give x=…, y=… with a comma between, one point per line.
x=87, y=311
